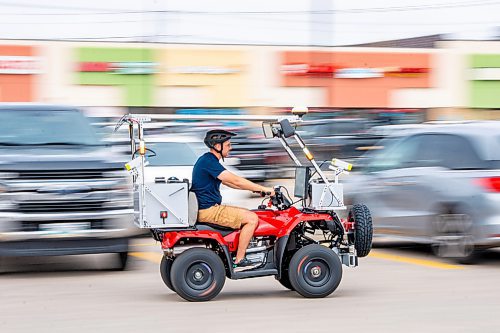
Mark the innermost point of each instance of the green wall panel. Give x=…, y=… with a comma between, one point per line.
x=137, y=88
x=485, y=61
x=484, y=93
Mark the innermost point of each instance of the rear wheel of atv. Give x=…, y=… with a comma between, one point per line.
x=315, y=271
x=165, y=269
x=198, y=275
x=363, y=229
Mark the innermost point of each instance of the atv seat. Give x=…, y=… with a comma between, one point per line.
x=193, y=216
x=224, y=231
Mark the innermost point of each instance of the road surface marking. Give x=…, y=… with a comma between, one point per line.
x=149, y=256
x=414, y=261
x=146, y=244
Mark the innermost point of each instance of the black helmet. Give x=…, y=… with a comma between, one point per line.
x=216, y=136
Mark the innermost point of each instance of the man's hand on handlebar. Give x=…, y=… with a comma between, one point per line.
x=266, y=192
x=276, y=197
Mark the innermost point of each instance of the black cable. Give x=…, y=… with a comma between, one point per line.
x=316, y=171
x=108, y=11
x=333, y=196
x=288, y=194
x=147, y=149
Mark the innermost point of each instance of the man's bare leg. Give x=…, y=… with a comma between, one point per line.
x=249, y=225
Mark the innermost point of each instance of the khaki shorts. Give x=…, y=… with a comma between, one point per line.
x=226, y=216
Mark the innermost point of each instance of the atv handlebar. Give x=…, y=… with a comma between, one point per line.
x=262, y=193
x=278, y=200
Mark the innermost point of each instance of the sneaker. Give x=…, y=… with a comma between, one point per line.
x=243, y=264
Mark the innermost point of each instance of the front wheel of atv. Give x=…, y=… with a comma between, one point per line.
x=165, y=269
x=363, y=229
x=315, y=271
x=198, y=275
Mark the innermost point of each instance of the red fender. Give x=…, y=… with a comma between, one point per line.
x=287, y=228
x=171, y=238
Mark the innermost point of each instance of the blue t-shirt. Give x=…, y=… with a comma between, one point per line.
x=206, y=185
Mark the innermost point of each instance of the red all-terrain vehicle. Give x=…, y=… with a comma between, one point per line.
x=302, y=244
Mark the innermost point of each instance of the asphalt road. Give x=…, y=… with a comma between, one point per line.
x=394, y=289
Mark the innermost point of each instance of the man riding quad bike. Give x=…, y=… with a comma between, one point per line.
x=303, y=247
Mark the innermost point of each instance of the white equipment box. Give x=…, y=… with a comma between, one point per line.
x=327, y=196
x=165, y=205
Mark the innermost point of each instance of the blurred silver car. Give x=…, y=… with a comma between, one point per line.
x=437, y=184
x=176, y=156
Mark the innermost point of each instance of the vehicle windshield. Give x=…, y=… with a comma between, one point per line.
x=495, y=149
x=429, y=150
x=172, y=154
x=46, y=127
x=386, y=157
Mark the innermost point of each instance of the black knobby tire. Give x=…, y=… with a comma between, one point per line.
x=198, y=275
x=165, y=269
x=363, y=229
x=315, y=271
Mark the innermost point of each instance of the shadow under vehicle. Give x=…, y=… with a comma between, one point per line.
x=61, y=190
x=438, y=184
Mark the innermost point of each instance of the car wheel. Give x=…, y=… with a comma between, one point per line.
x=363, y=229
x=315, y=271
x=122, y=260
x=198, y=275
x=453, y=238
x=165, y=269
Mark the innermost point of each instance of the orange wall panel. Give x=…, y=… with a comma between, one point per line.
x=359, y=92
x=16, y=87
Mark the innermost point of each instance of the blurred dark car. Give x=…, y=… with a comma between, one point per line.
x=437, y=185
x=259, y=159
x=344, y=138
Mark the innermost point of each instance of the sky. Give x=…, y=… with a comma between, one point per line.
x=268, y=22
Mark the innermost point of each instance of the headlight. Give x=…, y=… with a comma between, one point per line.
x=116, y=174
x=8, y=175
x=7, y=205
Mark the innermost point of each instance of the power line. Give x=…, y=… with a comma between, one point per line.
x=352, y=10
x=32, y=5
x=153, y=19
x=422, y=7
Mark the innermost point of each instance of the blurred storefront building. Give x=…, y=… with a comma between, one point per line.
x=455, y=79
